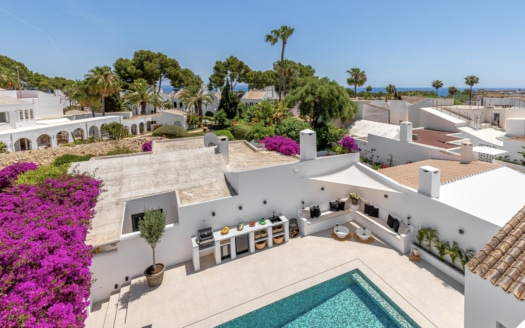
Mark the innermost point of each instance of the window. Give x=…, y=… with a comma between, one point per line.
x=27, y=114
x=3, y=117
x=136, y=218
x=31, y=113
x=21, y=112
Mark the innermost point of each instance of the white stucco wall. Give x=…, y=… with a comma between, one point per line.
x=432, y=121
x=283, y=187
x=486, y=304
x=513, y=146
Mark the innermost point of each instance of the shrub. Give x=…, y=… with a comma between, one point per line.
x=42, y=173
x=70, y=158
x=209, y=113
x=224, y=133
x=147, y=146
x=115, y=130
x=283, y=145
x=327, y=134
x=45, y=276
x=291, y=128
x=171, y=131
x=348, y=143
x=10, y=174
x=242, y=131
x=259, y=131
x=119, y=151
x=3, y=147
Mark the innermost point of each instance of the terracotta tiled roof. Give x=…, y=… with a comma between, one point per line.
x=252, y=94
x=502, y=259
x=408, y=174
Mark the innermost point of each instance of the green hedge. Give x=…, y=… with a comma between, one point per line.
x=171, y=131
x=224, y=133
x=69, y=158
x=241, y=131
x=41, y=174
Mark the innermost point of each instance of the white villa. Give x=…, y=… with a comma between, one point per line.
x=253, y=97
x=34, y=119
x=197, y=187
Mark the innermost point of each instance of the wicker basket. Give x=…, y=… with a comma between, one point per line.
x=260, y=245
x=278, y=240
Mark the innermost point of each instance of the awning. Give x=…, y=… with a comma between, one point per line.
x=489, y=150
x=352, y=176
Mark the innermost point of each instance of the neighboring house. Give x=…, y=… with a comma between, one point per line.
x=253, y=97
x=495, y=281
x=174, y=96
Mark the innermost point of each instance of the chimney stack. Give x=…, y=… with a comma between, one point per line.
x=467, y=154
x=308, y=145
x=224, y=148
x=405, y=131
x=429, y=181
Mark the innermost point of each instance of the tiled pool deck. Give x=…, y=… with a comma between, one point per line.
x=219, y=293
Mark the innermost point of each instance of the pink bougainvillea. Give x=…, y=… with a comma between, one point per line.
x=147, y=146
x=283, y=145
x=44, y=262
x=349, y=144
x=9, y=174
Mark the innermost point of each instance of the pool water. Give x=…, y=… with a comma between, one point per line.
x=349, y=300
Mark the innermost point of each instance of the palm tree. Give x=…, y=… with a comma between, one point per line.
x=8, y=79
x=466, y=255
x=196, y=98
x=442, y=247
x=436, y=84
x=357, y=78
x=431, y=237
x=81, y=92
x=141, y=94
x=104, y=82
x=452, y=91
x=454, y=252
x=391, y=89
x=283, y=33
x=471, y=80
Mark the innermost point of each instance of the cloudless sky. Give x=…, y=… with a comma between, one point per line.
x=408, y=43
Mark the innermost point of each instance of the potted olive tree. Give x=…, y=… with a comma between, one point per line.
x=152, y=228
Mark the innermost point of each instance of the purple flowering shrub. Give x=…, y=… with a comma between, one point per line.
x=283, y=145
x=146, y=146
x=44, y=262
x=349, y=144
x=10, y=173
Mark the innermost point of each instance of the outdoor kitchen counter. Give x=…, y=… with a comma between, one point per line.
x=229, y=238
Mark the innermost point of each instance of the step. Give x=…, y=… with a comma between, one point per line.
x=122, y=306
x=98, y=314
x=109, y=321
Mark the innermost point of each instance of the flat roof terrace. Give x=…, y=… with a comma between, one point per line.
x=219, y=293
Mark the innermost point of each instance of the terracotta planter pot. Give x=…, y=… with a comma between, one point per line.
x=154, y=278
x=260, y=245
x=355, y=201
x=278, y=240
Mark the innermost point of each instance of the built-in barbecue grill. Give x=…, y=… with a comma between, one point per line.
x=205, y=238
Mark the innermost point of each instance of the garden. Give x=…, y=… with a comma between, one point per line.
x=45, y=279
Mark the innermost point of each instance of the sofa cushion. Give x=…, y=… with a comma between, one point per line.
x=312, y=212
x=334, y=206
x=403, y=228
x=368, y=207
x=346, y=201
x=342, y=205
x=395, y=226
x=317, y=211
x=390, y=221
x=373, y=211
x=305, y=213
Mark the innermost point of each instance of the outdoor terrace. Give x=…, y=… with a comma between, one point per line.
x=219, y=293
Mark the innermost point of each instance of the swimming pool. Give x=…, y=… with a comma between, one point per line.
x=349, y=300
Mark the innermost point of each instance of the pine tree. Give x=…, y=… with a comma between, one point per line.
x=229, y=101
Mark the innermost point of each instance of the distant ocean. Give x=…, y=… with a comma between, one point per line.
x=442, y=92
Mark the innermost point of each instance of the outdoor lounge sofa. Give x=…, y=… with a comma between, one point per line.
x=328, y=216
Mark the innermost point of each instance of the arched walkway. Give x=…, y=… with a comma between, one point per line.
x=141, y=128
x=148, y=125
x=62, y=137
x=134, y=129
x=78, y=134
x=22, y=144
x=43, y=141
x=178, y=123
x=103, y=133
x=94, y=131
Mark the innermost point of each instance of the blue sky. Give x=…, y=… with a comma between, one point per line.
x=407, y=43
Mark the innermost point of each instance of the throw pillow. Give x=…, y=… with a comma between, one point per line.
x=374, y=211
x=403, y=228
x=390, y=221
x=396, y=225
x=346, y=203
x=305, y=213
x=368, y=207
x=334, y=206
x=342, y=205
x=317, y=211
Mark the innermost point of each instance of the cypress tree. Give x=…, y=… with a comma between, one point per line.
x=229, y=101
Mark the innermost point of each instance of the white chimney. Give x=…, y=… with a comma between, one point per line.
x=224, y=149
x=308, y=145
x=405, y=131
x=429, y=181
x=467, y=154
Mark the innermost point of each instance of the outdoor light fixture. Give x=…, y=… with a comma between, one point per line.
x=408, y=219
x=127, y=278
x=386, y=196
x=461, y=231
x=116, y=286
x=240, y=207
x=264, y=202
x=322, y=188
x=213, y=213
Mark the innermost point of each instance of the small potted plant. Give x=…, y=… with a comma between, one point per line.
x=152, y=228
x=354, y=197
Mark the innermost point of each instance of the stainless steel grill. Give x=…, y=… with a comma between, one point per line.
x=205, y=238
